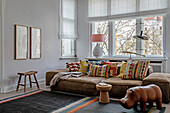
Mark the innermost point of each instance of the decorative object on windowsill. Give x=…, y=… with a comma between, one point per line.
x=97, y=51
x=141, y=37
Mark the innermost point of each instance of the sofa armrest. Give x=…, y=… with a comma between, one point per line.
x=50, y=75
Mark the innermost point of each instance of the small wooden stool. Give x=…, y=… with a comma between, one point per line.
x=27, y=74
x=104, y=95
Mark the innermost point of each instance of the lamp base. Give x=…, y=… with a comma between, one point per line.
x=97, y=51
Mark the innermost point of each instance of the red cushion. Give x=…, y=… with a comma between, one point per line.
x=73, y=66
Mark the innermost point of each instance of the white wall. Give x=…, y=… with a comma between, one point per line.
x=33, y=13
x=83, y=42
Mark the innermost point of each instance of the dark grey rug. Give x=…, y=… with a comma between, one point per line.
x=93, y=106
x=41, y=102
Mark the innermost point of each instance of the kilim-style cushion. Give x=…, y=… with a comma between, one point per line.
x=103, y=71
x=141, y=69
x=100, y=62
x=130, y=70
x=113, y=68
x=83, y=67
x=122, y=69
x=73, y=66
x=92, y=70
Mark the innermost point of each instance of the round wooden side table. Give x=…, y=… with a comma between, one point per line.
x=104, y=95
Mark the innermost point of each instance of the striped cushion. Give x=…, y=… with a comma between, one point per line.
x=100, y=62
x=92, y=70
x=113, y=68
x=130, y=70
x=141, y=69
x=103, y=71
x=73, y=66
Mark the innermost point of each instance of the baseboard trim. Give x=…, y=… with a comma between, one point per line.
x=10, y=88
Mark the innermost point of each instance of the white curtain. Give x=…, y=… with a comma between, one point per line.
x=146, y=5
x=97, y=8
x=68, y=19
x=123, y=6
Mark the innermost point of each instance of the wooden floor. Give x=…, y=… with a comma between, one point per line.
x=42, y=86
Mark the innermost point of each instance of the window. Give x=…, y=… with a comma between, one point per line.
x=68, y=27
x=153, y=30
x=124, y=31
x=101, y=28
x=120, y=20
x=68, y=47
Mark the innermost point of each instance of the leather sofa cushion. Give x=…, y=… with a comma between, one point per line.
x=158, y=77
x=86, y=79
x=121, y=82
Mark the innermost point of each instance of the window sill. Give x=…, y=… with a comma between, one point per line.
x=127, y=58
x=62, y=58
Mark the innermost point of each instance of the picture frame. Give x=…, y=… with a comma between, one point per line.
x=21, y=42
x=35, y=43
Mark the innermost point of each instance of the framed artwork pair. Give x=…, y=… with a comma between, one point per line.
x=21, y=42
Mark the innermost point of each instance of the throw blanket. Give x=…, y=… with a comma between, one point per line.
x=63, y=75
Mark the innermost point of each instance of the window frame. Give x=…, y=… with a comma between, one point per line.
x=60, y=34
x=111, y=50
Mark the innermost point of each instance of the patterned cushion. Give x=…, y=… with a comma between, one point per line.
x=100, y=62
x=113, y=68
x=83, y=67
x=103, y=71
x=122, y=69
x=130, y=70
x=92, y=70
x=141, y=69
x=73, y=66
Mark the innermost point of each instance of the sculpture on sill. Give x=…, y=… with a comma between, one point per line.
x=97, y=51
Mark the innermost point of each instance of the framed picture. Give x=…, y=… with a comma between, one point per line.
x=21, y=42
x=35, y=43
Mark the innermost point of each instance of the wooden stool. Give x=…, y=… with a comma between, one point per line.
x=104, y=95
x=27, y=74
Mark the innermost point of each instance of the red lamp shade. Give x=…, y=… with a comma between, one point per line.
x=97, y=38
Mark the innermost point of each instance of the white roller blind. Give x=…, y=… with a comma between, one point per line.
x=68, y=19
x=97, y=8
x=146, y=5
x=111, y=9
x=123, y=6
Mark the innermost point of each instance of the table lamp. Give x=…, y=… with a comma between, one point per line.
x=97, y=51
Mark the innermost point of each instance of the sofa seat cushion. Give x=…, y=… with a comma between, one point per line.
x=121, y=82
x=86, y=79
x=119, y=86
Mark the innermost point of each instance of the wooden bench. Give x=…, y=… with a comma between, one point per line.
x=30, y=73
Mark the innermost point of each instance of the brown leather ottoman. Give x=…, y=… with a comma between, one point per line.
x=104, y=95
x=163, y=81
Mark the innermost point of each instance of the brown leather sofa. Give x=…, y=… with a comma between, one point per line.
x=87, y=85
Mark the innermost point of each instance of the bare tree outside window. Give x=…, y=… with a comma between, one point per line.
x=153, y=30
x=124, y=31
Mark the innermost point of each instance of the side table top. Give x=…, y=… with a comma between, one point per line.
x=28, y=73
